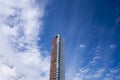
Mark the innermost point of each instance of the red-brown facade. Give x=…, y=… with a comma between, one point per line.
x=53, y=60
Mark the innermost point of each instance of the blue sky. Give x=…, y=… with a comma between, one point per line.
x=91, y=30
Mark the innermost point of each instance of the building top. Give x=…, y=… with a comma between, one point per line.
x=58, y=35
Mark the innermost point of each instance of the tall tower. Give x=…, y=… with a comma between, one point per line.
x=57, y=68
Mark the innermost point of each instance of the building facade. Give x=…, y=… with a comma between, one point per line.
x=57, y=66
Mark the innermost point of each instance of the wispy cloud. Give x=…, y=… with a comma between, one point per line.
x=118, y=20
x=82, y=45
x=94, y=60
x=87, y=74
x=93, y=70
x=97, y=74
x=112, y=46
x=20, y=25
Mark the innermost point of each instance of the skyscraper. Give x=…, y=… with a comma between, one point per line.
x=57, y=68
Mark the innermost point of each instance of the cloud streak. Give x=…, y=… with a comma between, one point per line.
x=20, y=25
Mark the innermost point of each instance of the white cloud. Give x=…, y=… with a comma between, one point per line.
x=20, y=25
